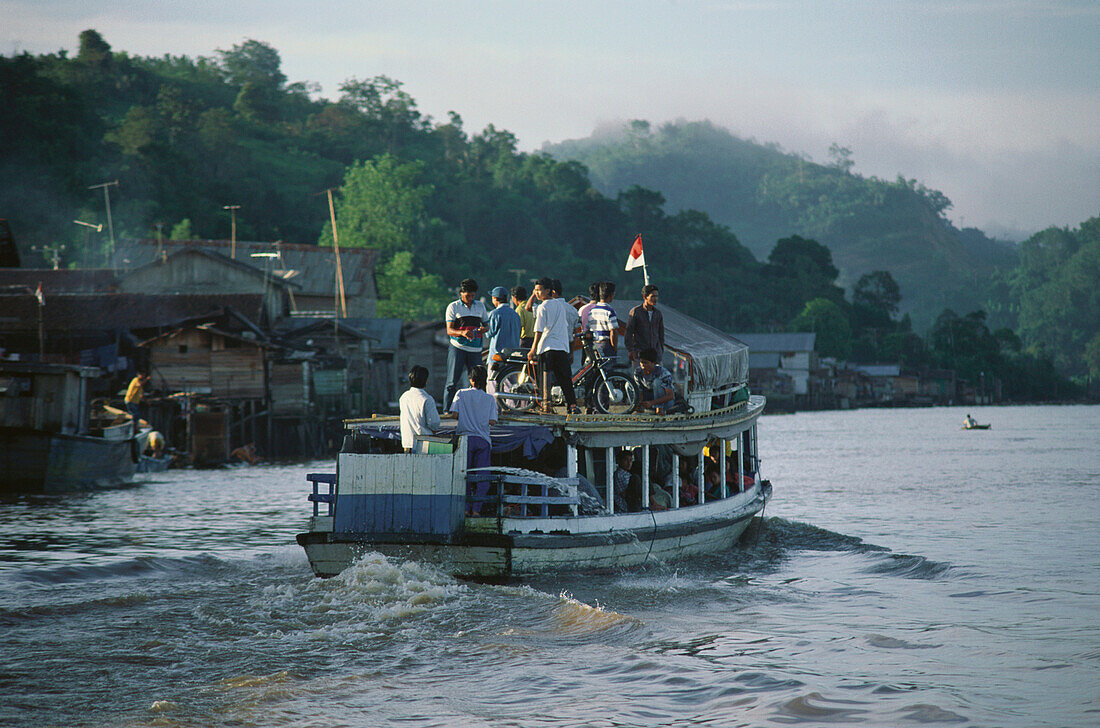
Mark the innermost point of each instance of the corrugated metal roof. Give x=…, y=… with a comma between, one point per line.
x=778, y=341
x=310, y=266
x=877, y=370
x=763, y=359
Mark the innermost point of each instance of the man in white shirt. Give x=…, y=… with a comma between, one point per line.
x=418, y=413
x=555, y=323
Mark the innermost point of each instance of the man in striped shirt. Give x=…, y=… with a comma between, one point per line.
x=602, y=321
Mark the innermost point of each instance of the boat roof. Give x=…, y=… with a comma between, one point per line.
x=718, y=358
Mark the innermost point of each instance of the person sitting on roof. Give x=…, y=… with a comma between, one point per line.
x=658, y=389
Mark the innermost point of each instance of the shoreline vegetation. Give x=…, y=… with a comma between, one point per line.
x=872, y=267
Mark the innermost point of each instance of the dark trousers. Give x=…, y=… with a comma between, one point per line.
x=458, y=361
x=559, y=364
x=477, y=456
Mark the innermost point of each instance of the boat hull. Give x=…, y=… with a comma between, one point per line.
x=642, y=538
x=34, y=461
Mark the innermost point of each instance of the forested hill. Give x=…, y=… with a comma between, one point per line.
x=179, y=140
x=764, y=194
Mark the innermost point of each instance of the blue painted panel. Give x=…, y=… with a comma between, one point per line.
x=411, y=514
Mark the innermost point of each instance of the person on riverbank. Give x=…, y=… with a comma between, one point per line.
x=645, y=326
x=476, y=411
x=465, y=320
x=418, y=412
x=135, y=393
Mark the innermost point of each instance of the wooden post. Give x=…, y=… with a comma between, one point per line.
x=609, y=467
x=645, y=477
x=675, y=480
x=722, y=490
x=570, y=461
x=702, y=478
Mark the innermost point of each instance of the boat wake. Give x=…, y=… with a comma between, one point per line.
x=779, y=537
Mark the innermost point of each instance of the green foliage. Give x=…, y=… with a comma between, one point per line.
x=826, y=319
x=407, y=296
x=382, y=205
x=1058, y=288
x=182, y=231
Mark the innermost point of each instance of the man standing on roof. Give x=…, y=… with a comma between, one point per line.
x=503, y=327
x=465, y=325
x=602, y=321
x=645, y=329
x=555, y=322
x=526, y=318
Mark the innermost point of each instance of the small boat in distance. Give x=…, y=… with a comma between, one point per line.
x=971, y=424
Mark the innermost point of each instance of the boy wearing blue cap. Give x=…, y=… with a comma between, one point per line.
x=502, y=326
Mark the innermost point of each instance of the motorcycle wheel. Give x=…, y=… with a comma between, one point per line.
x=509, y=383
x=616, y=396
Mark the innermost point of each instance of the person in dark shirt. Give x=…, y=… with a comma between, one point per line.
x=645, y=327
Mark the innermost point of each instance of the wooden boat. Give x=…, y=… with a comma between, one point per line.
x=551, y=507
x=47, y=441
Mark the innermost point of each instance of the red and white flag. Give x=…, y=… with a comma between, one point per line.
x=636, y=259
x=40, y=295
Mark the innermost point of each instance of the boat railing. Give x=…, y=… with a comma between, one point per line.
x=522, y=494
x=317, y=497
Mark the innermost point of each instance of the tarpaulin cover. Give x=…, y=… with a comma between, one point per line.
x=718, y=358
x=506, y=438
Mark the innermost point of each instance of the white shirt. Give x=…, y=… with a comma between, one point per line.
x=418, y=416
x=476, y=410
x=556, y=319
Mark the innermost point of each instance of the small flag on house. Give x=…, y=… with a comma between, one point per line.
x=636, y=259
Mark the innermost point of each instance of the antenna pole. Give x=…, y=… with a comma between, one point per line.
x=343, y=307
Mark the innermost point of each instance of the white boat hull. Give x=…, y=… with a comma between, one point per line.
x=596, y=543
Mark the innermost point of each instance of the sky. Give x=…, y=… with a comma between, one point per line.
x=996, y=103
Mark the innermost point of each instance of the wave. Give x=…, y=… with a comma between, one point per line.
x=778, y=537
x=126, y=568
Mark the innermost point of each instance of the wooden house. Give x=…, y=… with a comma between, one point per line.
x=200, y=271
x=310, y=268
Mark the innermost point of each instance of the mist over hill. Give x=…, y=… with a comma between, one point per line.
x=763, y=193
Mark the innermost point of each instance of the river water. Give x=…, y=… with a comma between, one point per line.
x=907, y=573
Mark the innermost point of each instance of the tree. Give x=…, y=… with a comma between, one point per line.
x=182, y=231
x=382, y=205
x=94, y=51
x=409, y=297
x=826, y=319
x=252, y=62
x=841, y=158
x=878, y=292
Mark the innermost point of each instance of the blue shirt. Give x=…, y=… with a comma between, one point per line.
x=504, y=327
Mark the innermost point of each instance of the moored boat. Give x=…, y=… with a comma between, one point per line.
x=552, y=502
x=47, y=442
